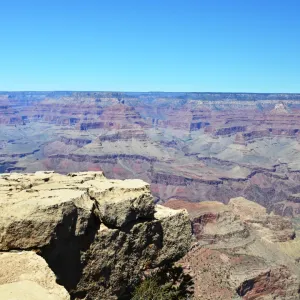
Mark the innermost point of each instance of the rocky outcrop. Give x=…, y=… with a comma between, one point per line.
x=115, y=117
x=124, y=135
x=241, y=252
x=97, y=235
x=26, y=276
x=277, y=282
x=272, y=227
x=212, y=222
x=79, y=142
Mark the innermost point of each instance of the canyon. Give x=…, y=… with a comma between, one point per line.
x=188, y=146
x=210, y=181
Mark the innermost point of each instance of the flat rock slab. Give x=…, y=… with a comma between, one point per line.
x=26, y=276
x=28, y=203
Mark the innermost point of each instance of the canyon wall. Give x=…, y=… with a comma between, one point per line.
x=189, y=146
x=240, y=251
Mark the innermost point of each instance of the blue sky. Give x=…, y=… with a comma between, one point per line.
x=150, y=45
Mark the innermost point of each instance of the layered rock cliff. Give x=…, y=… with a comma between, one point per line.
x=97, y=235
x=241, y=252
x=189, y=146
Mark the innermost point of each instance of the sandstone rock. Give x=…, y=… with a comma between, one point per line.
x=25, y=290
x=32, y=218
x=269, y=226
x=121, y=202
x=247, y=210
x=177, y=237
x=279, y=109
x=97, y=235
x=120, y=255
x=25, y=275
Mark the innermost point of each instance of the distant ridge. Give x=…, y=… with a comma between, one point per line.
x=203, y=96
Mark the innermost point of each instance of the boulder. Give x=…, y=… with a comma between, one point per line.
x=97, y=235
x=120, y=202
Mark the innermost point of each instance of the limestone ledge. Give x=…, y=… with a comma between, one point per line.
x=97, y=235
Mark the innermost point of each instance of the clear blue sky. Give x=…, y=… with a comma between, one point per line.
x=150, y=45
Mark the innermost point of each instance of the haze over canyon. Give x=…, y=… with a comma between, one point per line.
x=189, y=146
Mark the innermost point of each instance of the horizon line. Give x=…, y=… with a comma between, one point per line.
x=120, y=91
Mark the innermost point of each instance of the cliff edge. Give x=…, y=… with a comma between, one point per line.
x=96, y=235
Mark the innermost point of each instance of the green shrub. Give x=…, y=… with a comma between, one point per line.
x=166, y=283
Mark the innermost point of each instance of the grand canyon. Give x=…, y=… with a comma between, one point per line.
x=232, y=160
x=189, y=146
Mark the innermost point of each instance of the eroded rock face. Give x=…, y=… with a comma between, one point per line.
x=97, y=235
x=189, y=146
x=270, y=227
x=278, y=282
x=213, y=222
x=241, y=252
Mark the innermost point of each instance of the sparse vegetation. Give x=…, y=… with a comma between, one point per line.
x=166, y=283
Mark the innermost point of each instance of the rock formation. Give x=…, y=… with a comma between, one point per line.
x=96, y=235
x=25, y=275
x=241, y=252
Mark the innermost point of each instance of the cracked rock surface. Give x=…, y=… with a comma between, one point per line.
x=97, y=235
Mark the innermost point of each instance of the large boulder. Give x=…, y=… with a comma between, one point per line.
x=120, y=202
x=97, y=235
x=120, y=255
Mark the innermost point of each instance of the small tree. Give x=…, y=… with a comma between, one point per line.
x=166, y=283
